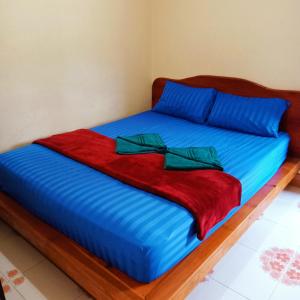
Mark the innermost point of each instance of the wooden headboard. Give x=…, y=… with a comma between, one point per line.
x=242, y=87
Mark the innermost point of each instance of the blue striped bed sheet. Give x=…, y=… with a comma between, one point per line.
x=137, y=232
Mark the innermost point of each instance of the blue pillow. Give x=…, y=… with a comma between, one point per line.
x=186, y=102
x=259, y=116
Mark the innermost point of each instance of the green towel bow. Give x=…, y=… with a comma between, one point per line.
x=190, y=158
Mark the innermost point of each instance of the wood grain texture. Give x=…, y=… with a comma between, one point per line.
x=242, y=87
x=103, y=282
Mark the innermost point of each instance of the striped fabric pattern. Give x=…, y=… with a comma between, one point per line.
x=139, y=233
x=259, y=116
x=186, y=102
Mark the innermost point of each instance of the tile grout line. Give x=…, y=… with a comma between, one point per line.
x=246, y=246
x=35, y=265
x=274, y=289
x=229, y=288
x=210, y=276
x=16, y=234
x=22, y=272
x=22, y=296
x=273, y=292
x=277, y=223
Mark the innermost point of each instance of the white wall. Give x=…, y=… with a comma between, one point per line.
x=257, y=40
x=67, y=64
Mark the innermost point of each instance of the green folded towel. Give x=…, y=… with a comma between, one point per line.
x=192, y=158
x=140, y=144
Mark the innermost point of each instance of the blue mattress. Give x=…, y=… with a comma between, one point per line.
x=137, y=232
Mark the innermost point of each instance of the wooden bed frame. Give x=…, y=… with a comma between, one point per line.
x=104, y=282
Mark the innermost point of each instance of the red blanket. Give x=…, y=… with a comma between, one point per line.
x=208, y=194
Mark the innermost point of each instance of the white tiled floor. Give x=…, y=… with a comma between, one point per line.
x=241, y=275
x=263, y=265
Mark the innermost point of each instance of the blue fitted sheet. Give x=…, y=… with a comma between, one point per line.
x=137, y=232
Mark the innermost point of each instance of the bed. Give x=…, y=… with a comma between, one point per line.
x=150, y=247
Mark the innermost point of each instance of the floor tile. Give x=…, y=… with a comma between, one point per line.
x=53, y=283
x=18, y=281
x=241, y=270
x=264, y=234
x=283, y=292
x=28, y=290
x=285, y=210
x=243, y=273
x=5, y=231
x=212, y=290
x=6, y=267
x=20, y=253
x=236, y=261
x=9, y=291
